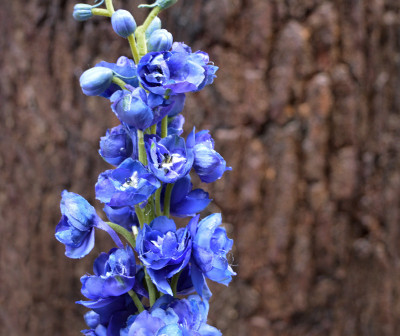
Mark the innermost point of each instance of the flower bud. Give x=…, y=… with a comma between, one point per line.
x=82, y=12
x=154, y=25
x=160, y=40
x=123, y=23
x=96, y=80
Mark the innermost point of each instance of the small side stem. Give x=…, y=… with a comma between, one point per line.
x=153, y=129
x=136, y=300
x=139, y=214
x=141, y=148
x=123, y=232
x=141, y=31
x=174, y=283
x=158, y=202
x=101, y=12
x=151, y=289
x=110, y=6
x=154, y=12
x=167, y=199
x=119, y=82
x=132, y=44
x=164, y=127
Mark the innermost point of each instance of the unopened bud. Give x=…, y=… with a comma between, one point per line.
x=123, y=23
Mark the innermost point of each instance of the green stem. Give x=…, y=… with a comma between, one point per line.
x=132, y=44
x=139, y=214
x=155, y=11
x=136, y=300
x=141, y=31
x=174, y=283
x=110, y=6
x=141, y=148
x=153, y=129
x=164, y=127
x=158, y=202
x=119, y=82
x=150, y=288
x=123, y=232
x=101, y=12
x=167, y=199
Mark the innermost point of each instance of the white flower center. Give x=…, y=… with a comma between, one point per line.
x=131, y=182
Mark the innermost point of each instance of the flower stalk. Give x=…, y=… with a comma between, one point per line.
x=147, y=187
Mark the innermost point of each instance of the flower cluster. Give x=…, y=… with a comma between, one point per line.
x=134, y=289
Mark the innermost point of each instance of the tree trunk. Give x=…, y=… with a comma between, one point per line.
x=306, y=111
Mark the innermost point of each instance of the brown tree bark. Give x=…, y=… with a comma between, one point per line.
x=306, y=111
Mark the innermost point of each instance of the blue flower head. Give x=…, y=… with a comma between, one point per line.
x=116, y=146
x=208, y=164
x=129, y=184
x=132, y=108
x=177, y=71
x=173, y=317
x=210, y=247
x=114, y=275
x=76, y=227
x=170, y=158
x=185, y=201
x=164, y=250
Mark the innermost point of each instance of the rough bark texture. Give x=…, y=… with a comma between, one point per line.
x=306, y=111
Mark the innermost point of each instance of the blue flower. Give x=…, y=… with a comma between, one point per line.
x=114, y=275
x=176, y=104
x=208, y=164
x=173, y=317
x=170, y=158
x=129, y=184
x=164, y=250
x=76, y=227
x=175, y=72
x=210, y=247
x=132, y=108
x=185, y=201
x=124, y=69
x=116, y=146
x=112, y=314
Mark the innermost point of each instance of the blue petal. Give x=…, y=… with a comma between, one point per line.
x=82, y=250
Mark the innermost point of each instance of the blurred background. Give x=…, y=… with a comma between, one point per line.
x=306, y=109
